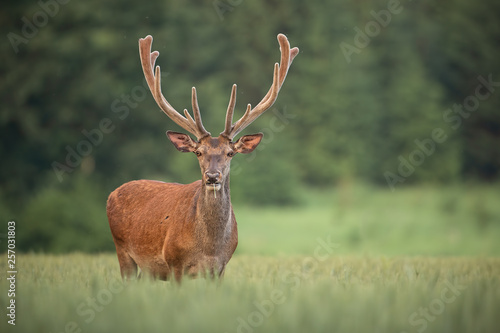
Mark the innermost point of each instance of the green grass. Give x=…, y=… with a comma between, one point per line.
x=261, y=294
x=460, y=220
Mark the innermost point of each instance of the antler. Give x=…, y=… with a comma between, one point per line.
x=148, y=59
x=279, y=75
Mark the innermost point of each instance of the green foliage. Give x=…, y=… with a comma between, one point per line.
x=353, y=117
x=262, y=179
x=65, y=218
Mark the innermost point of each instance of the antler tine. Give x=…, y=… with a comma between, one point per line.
x=285, y=63
x=148, y=59
x=153, y=79
x=287, y=56
x=266, y=102
x=230, y=112
x=197, y=115
x=279, y=75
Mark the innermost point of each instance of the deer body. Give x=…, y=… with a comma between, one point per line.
x=169, y=229
x=194, y=235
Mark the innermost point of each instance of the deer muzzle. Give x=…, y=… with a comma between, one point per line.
x=213, y=180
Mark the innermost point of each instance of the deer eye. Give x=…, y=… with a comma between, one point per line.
x=198, y=153
x=231, y=154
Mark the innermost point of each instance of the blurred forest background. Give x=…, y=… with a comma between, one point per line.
x=386, y=93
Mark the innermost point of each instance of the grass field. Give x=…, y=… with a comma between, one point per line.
x=456, y=220
x=356, y=260
x=82, y=293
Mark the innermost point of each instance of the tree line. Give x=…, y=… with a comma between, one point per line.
x=392, y=93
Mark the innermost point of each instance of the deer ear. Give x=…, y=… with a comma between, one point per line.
x=246, y=144
x=182, y=142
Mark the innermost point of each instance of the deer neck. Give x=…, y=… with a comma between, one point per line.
x=213, y=217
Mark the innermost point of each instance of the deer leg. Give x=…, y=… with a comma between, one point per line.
x=221, y=273
x=128, y=266
x=178, y=272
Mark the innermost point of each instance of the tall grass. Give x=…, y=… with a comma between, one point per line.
x=261, y=294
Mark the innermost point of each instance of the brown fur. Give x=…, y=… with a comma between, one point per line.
x=172, y=229
x=155, y=227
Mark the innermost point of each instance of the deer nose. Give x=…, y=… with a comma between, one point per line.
x=212, y=177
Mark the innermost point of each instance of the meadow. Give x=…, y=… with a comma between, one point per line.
x=355, y=260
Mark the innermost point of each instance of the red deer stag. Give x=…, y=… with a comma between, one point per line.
x=172, y=229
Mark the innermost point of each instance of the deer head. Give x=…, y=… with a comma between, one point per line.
x=214, y=153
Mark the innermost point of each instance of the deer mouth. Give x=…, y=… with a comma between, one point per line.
x=213, y=186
